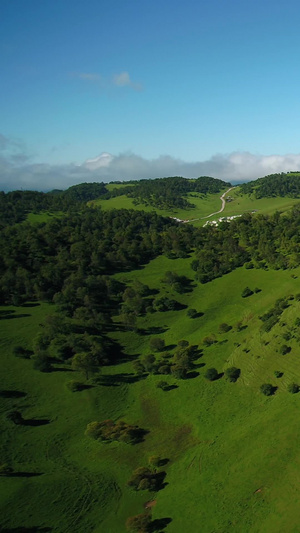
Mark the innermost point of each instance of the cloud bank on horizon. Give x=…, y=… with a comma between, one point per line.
x=18, y=172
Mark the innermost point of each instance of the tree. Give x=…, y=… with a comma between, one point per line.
x=224, y=328
x=232, y=373
x=246, y=292
x=192, y=313
x=278, y=374
x=163, y=385
x=267, y=389
x=157, y=344
x=5, y=469
x=85, y=362
x=148, y=361
x=139, y=523
x=293, y=388
x=138, y=367
x=211, y=374
x=284, y=349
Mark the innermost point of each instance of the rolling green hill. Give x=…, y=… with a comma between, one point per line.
x=150, y=306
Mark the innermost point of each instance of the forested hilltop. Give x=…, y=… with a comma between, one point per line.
x=274, y=185
x=147, y=361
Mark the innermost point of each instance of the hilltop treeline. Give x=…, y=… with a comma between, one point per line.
x=168, y=193
x=42, y=260
x=273, y=185
x=38, y=261
x=15, y=205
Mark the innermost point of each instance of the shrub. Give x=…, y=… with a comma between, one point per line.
x=139, y=523
x=183, y=343
x=284, y=349
x=278, y=374
x=232, y=373
x=157, y=344
x=211, y=374
x=246, y=292
x=74, y=385
x=19, y=351
x=42, y=363
x=293, y=388
x=162, y=385
x=267, y=389
x=108, y=430
x=209, y=340
x=192, y=313
x=224, y=328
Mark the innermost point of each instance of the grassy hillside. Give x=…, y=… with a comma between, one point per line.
x=233, y=452
x=206, y=204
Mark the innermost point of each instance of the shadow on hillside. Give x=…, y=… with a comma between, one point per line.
x=31, y=304
x=25, y=529
x=24, y=474
x=170, y=387
x=34, y=422
x=192, y=375
x=169, y=347
x=199, y=365
x=154, y=330
x=8, y=316
x=115, y=380
x=159, y=524
x=12, y=394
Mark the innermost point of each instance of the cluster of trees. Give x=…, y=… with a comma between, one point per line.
x=273, y=185
x=15, y=205
x=62, y=255
x=108, y=430
x=168, y=193
x=178, y=364
x=144, y=478
x=272, y=316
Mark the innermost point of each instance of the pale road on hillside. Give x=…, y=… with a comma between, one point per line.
x=222, y=198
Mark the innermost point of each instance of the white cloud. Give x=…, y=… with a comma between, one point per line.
x=117, y=80
x=16, y=172
x=123, y=80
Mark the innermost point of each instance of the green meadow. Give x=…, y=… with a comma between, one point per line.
x=205, y=204
x=233, y=453
x=243, y=203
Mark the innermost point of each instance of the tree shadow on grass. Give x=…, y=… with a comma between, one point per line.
x=34, y=422
x=192, y=374
x=199, y=365
x=159, y=524
x=154, y=330
x=9, y=316
x=170, y=387
x=31, y=304
x=24, y=474
x=169, y=347
x=26, y=529
x=12, y=394
x=115, y=380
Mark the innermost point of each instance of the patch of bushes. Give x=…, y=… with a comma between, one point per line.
x=108, y=430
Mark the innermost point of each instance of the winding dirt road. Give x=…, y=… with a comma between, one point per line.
x=222, y=198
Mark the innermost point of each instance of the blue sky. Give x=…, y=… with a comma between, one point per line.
x=196, y=87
